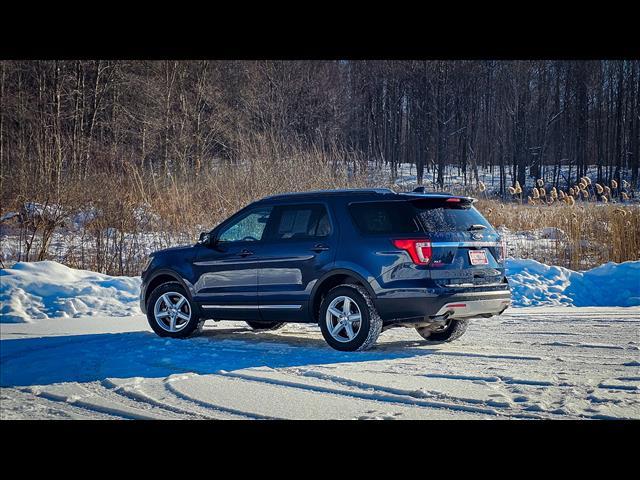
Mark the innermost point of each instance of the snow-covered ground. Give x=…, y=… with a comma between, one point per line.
x=544, y=362
x=73, y=344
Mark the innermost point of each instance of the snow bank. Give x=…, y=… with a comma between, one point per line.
x=39, y=290
x=609, y=285
x=31, y=291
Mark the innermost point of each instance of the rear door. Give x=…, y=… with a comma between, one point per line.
x=300, y=246
x=466, y=250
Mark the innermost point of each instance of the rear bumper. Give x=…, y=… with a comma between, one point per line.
x=474, y=308
x=421, y=304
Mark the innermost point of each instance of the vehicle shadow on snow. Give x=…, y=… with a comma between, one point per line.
x=95, y=357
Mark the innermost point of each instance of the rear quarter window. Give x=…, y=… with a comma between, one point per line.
x=384, y=217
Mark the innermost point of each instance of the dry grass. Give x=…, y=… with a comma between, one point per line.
x=132, y=212
x=591, y=233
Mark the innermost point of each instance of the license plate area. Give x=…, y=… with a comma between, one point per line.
x=478, y=257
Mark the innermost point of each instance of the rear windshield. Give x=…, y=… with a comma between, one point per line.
x=430, y=215
x=441, y=216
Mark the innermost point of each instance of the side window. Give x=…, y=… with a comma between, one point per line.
x=384, y=217
x=248, y=228
x=300, y=221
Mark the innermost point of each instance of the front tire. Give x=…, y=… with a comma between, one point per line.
x=452, y=330
x=348, y=318
x=170, y=312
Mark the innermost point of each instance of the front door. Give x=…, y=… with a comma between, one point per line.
x=227, y=272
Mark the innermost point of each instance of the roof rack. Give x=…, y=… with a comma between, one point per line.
x=422, y=190
x=380, y=191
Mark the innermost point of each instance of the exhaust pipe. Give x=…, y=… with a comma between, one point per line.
x=426, y=322
x=440, y=318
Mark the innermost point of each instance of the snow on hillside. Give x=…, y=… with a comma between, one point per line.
x=406, y=176
x=39, y=290
x=609, y=285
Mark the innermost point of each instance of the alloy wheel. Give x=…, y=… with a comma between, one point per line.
x=343, y=319
x=172, y=311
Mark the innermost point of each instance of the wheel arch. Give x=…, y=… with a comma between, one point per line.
x=332, y=279
x=163, y=276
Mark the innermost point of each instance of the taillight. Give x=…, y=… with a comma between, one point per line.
x=419, y=249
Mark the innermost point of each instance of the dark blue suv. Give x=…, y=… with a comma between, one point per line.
x=356, y=262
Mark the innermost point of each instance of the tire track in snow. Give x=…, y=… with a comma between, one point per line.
x=209, y=410
x=194, y=408
x=486, y=355
x=421, y=394
x=125, y=390
x=609, y=386
x=384, y=397
x=583, y=345
x=509, y=410
x=63, y=408
x=119, y=394
x=99, y=390
x=142, y=400
x=113, y=411
x=496, y=378
x=212, y=406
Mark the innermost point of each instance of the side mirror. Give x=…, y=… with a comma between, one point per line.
x=205, y=239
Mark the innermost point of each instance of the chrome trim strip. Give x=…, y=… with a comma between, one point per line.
x=280, y=307
x=254, y=307
x=491, y=293
x=227, y=261
x=250, y=259
x=465, y=244
x=473, y=285
x=232, y=307
x=474, y=308
x=286, y=259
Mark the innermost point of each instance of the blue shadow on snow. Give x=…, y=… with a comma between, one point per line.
x=94, y=357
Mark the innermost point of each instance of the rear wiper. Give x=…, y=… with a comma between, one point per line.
x=476, y=226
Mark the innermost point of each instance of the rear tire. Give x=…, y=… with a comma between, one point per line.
x=355, y=325
x=453, y=330
x=265, y=325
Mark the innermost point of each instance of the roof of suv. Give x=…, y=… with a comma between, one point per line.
x=360, y=193
x=339, y=192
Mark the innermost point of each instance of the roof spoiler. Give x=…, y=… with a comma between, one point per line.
x=454, y=198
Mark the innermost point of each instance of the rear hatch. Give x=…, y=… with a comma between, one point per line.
x=466, y=251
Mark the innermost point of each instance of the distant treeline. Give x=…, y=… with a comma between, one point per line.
x=61, y=121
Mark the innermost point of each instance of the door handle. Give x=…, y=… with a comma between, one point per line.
x=245, y=253
x=320, y=248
